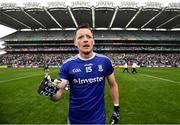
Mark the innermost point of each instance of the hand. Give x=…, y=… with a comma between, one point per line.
x=47, y=87
x=115, y=115
x=56, y=81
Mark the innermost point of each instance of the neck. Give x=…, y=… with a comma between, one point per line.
x=86, y=56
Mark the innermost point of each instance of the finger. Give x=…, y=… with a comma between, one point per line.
x=56, y=81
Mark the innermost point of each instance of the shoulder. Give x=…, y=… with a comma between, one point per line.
x=68, y=63
x=103, y=59
x=70, y=60
x=102, y=56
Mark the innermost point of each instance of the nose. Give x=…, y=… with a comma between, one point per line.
x=85, y=40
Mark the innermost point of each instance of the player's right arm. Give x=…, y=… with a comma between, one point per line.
x=63, y=76
x=61, y=85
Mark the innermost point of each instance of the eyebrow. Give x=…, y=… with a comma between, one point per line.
x=87, y=35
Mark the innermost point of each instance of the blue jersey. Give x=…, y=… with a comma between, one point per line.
x=86, y=80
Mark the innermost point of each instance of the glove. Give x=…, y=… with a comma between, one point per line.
x=115, y=115
x=48, y=87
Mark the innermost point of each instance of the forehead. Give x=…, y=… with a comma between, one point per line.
x=83, y=31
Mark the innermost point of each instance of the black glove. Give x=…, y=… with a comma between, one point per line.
x=115, y=115
x=47, y=88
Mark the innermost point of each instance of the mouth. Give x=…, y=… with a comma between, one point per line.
x=86, y=46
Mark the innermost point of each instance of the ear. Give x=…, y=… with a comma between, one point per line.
x=75, y=43
x=93, y=42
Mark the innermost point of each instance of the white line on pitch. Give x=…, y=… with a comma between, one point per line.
x=21, y=78
x=160, y=78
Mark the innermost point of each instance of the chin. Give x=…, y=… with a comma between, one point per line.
x=87, y=52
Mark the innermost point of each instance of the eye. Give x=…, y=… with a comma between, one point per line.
x=80, y=37
x=88, y=36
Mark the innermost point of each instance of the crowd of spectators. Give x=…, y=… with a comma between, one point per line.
x=143, y=59
x=96, y=48
x=146, y=59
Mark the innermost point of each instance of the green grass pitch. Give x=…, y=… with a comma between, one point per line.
x=152, y=96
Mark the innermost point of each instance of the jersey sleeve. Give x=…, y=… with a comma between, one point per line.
x=63, y=72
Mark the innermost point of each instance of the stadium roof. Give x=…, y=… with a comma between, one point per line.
x=102, y=15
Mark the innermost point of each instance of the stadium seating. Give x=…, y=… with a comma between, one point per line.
x=148, y=48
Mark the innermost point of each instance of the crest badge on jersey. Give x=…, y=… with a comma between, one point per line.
x=100, y=68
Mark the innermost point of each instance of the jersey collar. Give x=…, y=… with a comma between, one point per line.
x=93, y=55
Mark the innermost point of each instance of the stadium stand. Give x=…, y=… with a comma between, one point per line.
x=157, y=47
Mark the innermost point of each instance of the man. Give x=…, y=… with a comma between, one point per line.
x=134, y=65
x=85, y=74
x=46, y=69
x=126, y=67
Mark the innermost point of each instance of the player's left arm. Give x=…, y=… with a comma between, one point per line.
x=115, y=97
x=113, y=88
